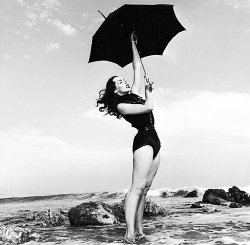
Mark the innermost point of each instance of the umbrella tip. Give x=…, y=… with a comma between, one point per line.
x=102, y=14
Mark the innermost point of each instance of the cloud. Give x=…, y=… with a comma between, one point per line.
x=43, y=12
x=27, y=56
x=96, y=22
x=84, y=16
x=203, y=121
x=51, y=4
x=32, y=19
x=6, y=56
x=65, y=29
x=20, y=1
x=52, y=46
x=197, y=113
x=236, y=4
x=34, y=162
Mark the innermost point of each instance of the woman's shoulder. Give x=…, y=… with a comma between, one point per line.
x=131, y=98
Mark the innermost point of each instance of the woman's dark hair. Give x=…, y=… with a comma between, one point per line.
x=109, y=99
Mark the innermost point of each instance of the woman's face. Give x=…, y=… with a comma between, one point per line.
x=122, y=87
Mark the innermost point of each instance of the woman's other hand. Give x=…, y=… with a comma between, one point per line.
x=148, y=84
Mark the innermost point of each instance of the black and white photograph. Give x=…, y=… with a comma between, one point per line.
x=125, y=122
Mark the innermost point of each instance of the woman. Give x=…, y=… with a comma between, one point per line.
x=121, y=100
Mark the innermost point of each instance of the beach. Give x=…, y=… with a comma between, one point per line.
x=211, y=224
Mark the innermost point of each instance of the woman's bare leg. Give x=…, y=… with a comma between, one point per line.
x=139, y=215
x=142, y=162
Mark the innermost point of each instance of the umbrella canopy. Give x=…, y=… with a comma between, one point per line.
x=154, y=25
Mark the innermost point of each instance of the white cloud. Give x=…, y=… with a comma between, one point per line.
x=197, y=113
x=6, y=56
x=66, y=29
x=20, y=1
x=43, y=12
x=52, y=4
x=171, y=55
x=27, y=56
x=84, y=16
x=236, y=4
x=96, y=22
x=207, y=120
x=37, y=163
x=201, y=116
x=52, y=46
x=32, y=19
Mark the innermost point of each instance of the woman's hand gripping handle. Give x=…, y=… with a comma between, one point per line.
x=148, y=84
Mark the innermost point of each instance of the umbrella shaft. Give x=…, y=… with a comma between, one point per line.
x=143, y=67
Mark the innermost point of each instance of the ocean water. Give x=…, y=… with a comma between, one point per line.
x=182, y=226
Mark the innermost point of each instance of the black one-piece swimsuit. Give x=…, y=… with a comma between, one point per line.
x=147, y=134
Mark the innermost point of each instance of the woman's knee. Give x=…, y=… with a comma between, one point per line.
x=146, y=189
x=138, y=189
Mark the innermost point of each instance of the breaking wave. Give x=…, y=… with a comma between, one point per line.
x=161, y=192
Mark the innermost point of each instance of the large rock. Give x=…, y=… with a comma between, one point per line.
x=94, y=213
x=16, y=235
x=49, y=217
x=219, y=196
x=235, y=205
x=238, y=196
x=193, y=193
x=215, y=196
x=151, y=209
x=180, y=193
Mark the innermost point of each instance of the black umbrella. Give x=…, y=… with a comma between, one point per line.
x=154, y=25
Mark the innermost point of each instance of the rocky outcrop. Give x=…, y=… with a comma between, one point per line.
x=16, y=235
x=49, y=217
x=196, y=205
x=238, y=196
x=94, y=213
x=152, y=209
x=193, y=193
x=215, y=196
x=219, y=196
x=99, y=213
x=235, y=205
x=180, y=193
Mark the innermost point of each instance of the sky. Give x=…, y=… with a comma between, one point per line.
x=54, y=140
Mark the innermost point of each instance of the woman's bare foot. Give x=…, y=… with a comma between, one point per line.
x=138, y=236
x=129, y=240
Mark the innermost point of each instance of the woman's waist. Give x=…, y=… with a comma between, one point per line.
x=146, y=127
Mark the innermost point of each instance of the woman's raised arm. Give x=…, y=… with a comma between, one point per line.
x=138, y=86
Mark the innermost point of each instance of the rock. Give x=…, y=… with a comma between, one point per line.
x=215, y=196
x=94, y=213
x=193, y=193
x=180, y=193
x=16, y=235
x=196, y=205
x=49, y=217
x=165, y=194
x=152, y=209
x=195, y=235
x=218, y=196
x=238, y=196
x=235, y=205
